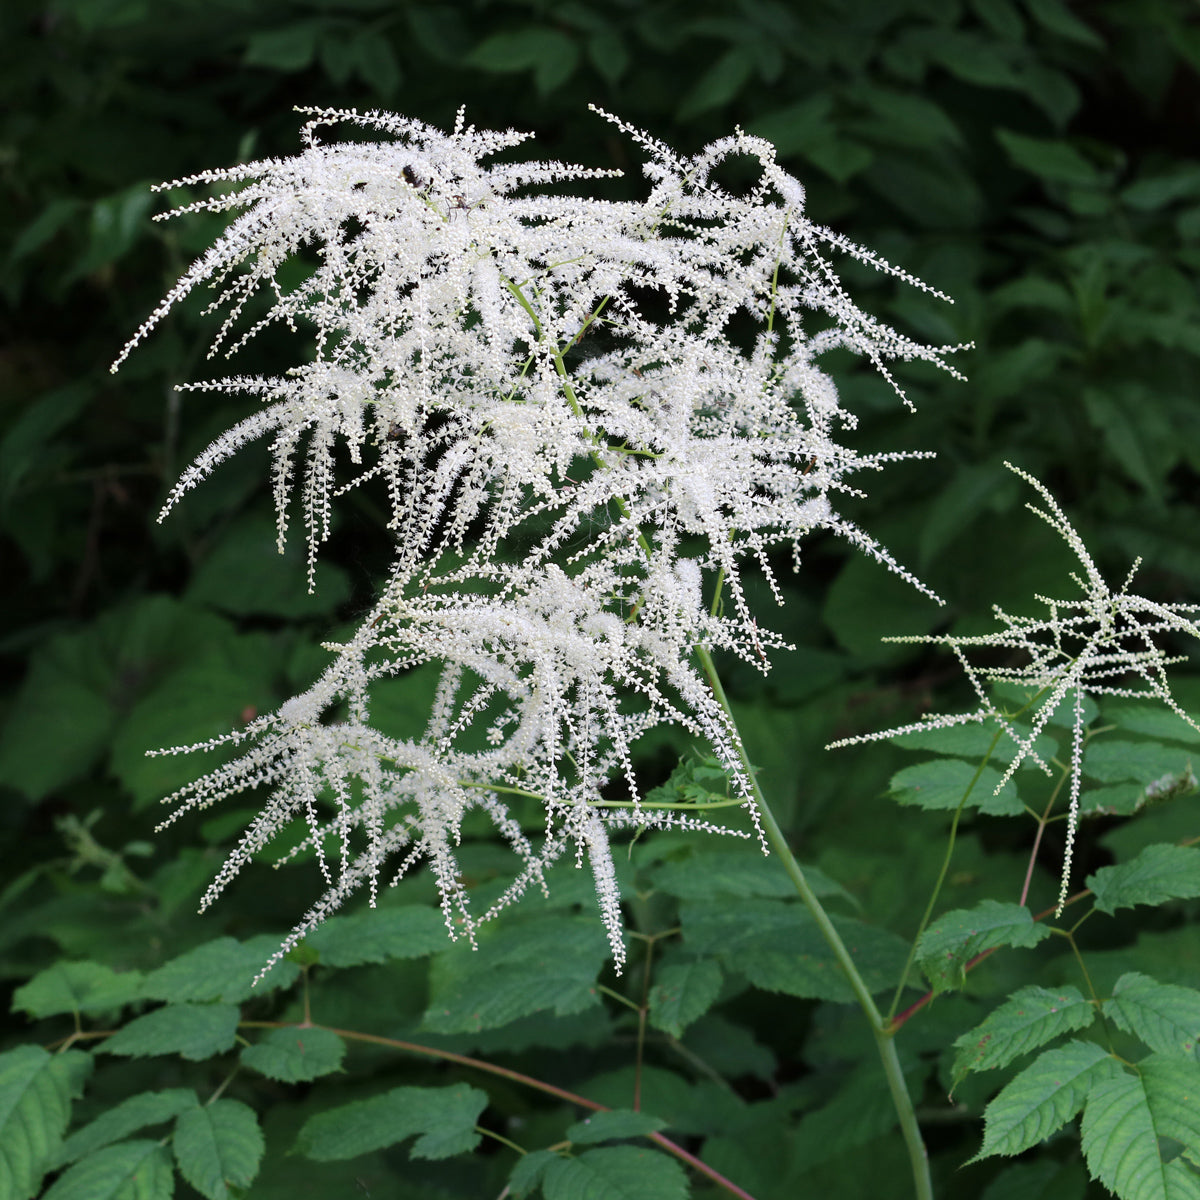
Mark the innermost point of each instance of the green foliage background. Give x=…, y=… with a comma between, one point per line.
x=1034, y=159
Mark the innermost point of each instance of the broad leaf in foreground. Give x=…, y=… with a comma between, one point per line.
x=196, y=1031
x=76, y=987
x=1125, y=1118
x=147, y=1108
x=1026, y=1020
x=1044, y=1097
x=294, y=1055
x=35, y=1105
x=445, y=1118
x=139, y=1170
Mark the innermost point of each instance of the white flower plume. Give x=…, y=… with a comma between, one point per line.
x=1102, y=644
x=589, y=418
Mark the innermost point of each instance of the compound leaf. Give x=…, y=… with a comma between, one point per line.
x=1028, y=1019
x=445, y=1119
x=1044, y=1097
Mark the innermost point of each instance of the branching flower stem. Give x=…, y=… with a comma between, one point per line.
x=881, y=1030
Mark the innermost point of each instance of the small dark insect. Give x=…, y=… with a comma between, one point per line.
x=411, y=177
x=394, y=433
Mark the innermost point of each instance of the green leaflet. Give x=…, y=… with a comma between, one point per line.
x=1125, y=1117
x=195, y=1031
x=36, y=1089
x=296, y=1055
x=147, y=1108
x=1159, y=873
x=139, y=1170
x=223, y=969
x=378, y=934
x=615, y=1173
x=613, y=1126
x=1044, y=1097
x=77, y=987
x=217, y=1147
x=955, y=938
x=445, y=1118
x=941, y=783
x=683, y=992
x=1029, y=1018
x=521, y=966
x=1165, y=1016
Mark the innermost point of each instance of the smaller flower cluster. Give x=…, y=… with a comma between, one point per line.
x=1102, y=644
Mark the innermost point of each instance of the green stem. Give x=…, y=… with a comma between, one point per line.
x=918, y=1158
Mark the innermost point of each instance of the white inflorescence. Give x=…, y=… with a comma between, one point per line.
x=580, y=459
x=1102, y=644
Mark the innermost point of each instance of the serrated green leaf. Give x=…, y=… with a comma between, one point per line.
x=745, y=871
x=378, y=934
x=76, y=987
x=1044, y=1097
x=1164, y=1015
x=1150, y=721
x=148, y=1108
x=445, y=1118
x=223, y=969
x=521, y=967
x=684, y=992
x=218, y=1146
x=527, y=1174
x=296, y=1055
x=1159, y=873
x=195, y=1031
x=1115, y=760
x=1127, y=1115
x=615, y=1173
x=35, y=1104
x=779, y=947
x=954, y=939
x=941, y=783
x=1026, y=1020
x=1049, y=159
x=613, y=1126
x=139, y=1170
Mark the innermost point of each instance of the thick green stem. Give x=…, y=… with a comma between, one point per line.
x=919, y=1160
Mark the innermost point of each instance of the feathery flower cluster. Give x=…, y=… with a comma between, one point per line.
x=580, y=457
x=1100, y=645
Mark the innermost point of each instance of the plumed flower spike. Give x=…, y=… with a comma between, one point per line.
x=1102, y=644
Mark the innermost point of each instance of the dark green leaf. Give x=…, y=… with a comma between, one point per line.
x=139, y=1170
x=527, y=1174
x=616, y=1125
x=290, y=48
x=1159, y=873
x=1125, y=1118
x=296, y=1055
x=1028, y=1019
x=684, y=992
x=1053, y=161
x=218, y=1147
x=615, y=1173
x=954, y=939
x=1044, y=1097
x=378, y=934
x=445, y=1118
x=76, y=987
x=148, y=1108
x=35, y=1104
x=1116, y=760
x=1165, y=1016
x=941, y=783
x=224, y=969
x=196, y=1031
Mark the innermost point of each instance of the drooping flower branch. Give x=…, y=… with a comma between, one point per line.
x=580, y=458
